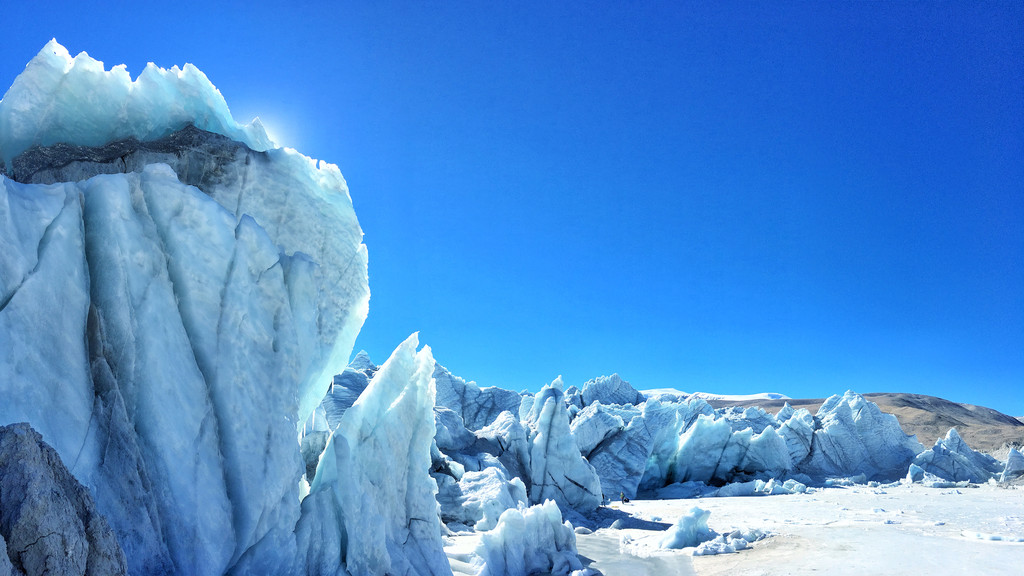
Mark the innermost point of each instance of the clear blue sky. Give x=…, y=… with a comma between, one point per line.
x=745, y=197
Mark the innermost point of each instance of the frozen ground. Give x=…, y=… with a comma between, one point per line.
x=859, y=530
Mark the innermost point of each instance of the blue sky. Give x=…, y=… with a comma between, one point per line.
x=791, y=197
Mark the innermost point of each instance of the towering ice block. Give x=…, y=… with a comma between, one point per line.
x=175, y=296
x=852, y=436
x=372, y=503
x=557, y=470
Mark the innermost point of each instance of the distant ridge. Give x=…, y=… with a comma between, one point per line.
x=709, y=396
x=928, y=417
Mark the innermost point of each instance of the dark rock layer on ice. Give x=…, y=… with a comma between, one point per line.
x=206, y=154
x=48, y=520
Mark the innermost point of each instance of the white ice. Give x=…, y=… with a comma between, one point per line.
x=164, y=339
x=529, y=541
x=372, y=504
x=59, y=98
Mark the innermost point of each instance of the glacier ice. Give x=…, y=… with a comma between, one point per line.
x=479, y=498
x=557, y=469
x=610, y=390
x=60, y=99
x=690, y=530
x=1014, y=466
x=529, y=541
x=177, y=302
x=953, y=460
x=616, y=441
x=852, y=436
x=372, y=505
x=173, y=297
x=477, y=406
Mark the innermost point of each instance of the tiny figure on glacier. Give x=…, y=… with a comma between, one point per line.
x=623, y=498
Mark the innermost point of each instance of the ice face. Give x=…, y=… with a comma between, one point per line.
x=1014, y=467
x=557, y=469
x=853, y=436
x=172, y=297
x=617, y=443
x=477, y=406
x=530, y=541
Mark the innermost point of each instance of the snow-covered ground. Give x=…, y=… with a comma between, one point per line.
x=904, y=529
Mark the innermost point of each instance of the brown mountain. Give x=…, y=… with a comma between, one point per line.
x=926, y=416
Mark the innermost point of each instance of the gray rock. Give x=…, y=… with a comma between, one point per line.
x=47, y=519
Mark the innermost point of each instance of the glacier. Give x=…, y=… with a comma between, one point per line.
x=179, y=299
x=372, y=506
x=953, y=460
x=175, y=295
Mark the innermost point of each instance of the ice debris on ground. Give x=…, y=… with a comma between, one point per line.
x=692, y=531
x=529, y=541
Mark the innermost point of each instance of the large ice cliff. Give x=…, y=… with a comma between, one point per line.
x=175, y=296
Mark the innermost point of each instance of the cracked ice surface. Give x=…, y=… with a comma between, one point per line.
x=372, y=503
x=162, y=337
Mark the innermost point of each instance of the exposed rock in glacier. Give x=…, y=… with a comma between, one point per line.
x=165, y=338
x=372, y=503
x=74, y=100
x=952, y=459
x=853, y=436
x=530, y=541
x=48, y=521
x=1014, y=467
x=477, y=406
x=610, y=390
x=6, y=569
x=557, y=470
